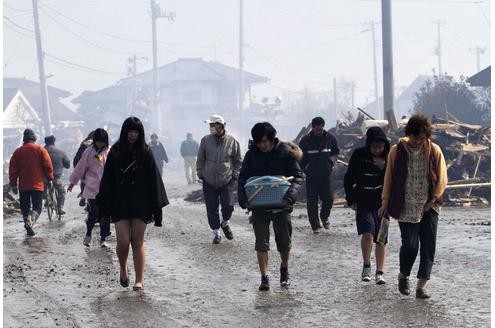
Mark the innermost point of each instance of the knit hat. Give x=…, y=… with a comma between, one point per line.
x=29, y=135
x=50, y=140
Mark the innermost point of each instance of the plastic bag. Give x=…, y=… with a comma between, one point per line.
x=382, y=237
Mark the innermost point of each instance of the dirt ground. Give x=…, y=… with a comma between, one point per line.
x=52, y=280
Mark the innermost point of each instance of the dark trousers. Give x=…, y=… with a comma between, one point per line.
x=318, y=188
x=213, y=198
x=422, y=236
x=93, y=218
x=28, y=198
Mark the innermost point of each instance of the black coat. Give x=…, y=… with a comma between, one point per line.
x=318, y=152
x=131, y=187
x=279, y=161
x=363, y=181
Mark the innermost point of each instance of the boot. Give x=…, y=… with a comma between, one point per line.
x=28, y=225
x=34, y=216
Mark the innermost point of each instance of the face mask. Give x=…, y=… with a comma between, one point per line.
x=213, y=130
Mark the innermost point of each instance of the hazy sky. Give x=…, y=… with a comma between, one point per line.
x=295, y=43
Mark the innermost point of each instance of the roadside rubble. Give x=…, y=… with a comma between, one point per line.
x=11, y=206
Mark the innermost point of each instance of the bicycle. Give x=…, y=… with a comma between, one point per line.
x=51, y=203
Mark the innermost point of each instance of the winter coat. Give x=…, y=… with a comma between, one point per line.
x=219, y=160
x=319, y=154
x=189, y=148
x=159, y=153
x=91, y=168
x=281, y=160
x=59, y=160
x=131, y=187
x=31, y=165
x=363, y=181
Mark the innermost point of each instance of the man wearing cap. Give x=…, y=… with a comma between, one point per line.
x=59, y=162
x=29, y=167
x=189, y=151
x=218, y=165
x=159, y=152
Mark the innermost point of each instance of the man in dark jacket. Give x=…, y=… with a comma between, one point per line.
x=363, y=183
x=269, y=156
x=189, y=151
x=82, y=147
x=59, y=162
x=320, y=154
x=159, y=152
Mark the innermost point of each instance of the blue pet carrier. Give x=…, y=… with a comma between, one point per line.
x=267, y=191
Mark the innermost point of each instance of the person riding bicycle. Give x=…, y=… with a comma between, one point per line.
x=59, y=161
x=30, y=165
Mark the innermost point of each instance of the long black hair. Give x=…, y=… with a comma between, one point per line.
x=140, y=147
x=100, y=135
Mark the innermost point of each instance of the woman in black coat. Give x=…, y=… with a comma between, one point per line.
x=132, y=195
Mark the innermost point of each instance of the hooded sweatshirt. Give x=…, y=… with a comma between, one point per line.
x=363, y=181
x=91, y=167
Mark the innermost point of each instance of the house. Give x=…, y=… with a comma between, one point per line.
x=191, y=89
x=18, y=114
x=482, y=78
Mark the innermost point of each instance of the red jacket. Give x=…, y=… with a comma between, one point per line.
x=31, y=164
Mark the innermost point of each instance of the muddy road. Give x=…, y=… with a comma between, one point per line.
x=52, y=280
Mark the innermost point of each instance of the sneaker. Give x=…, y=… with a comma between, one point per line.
x=366, y=274
x=284, y=277
x=82, y=202
x=104, y=244
x=379, y=279
x=87, y=241
x=228, y=232
x=265, y=283
x=326, y=224
x=217, y=239
x=404, y=288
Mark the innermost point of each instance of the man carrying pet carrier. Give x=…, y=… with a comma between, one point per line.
x=267, y=156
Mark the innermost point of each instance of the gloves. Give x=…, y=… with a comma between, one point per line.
x=14, y=190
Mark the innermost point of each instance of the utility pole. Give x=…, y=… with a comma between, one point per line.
x=45, y=104
x=132, y=72
x=156, y=13
x=335, y=98
x=388, y=63
x=479, y=51
x=241, y=64
x=375, y=72
x=438, y=49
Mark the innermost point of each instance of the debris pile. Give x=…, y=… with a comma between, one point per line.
x=11, y=206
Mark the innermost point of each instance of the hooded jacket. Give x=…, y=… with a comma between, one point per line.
x=31, y=165
x=91, y=168
x=363, y=181
x=219, y=159
x=281, y=160
x=319, y=152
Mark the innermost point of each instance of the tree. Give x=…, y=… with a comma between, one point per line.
x=469, y=105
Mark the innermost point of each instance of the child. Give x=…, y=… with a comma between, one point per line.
x=91, y=167
x=363, y=184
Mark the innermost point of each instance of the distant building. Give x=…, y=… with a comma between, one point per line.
x=191, y=90
x=482, y=78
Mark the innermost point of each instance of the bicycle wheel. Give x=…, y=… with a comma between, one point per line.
x=56, y=208
x=49, y=204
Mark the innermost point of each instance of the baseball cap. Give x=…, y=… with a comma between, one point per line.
x=215, y=119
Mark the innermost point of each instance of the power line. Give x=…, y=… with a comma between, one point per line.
x=17, y=9
x=483, y=13
x=18, y=32
x=17, y=25
x=75, y=65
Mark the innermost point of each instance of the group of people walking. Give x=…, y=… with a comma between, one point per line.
x=123, y=185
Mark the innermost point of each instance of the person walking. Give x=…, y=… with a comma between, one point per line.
x=363, y=183
x=159, y=153
x=91, y=167
x=320, y=154
x=269, y=156
x=413, y=188
x=218, y=165
x=59, y=161
x=131, y=194
x=82, y=147
x=29, y=167
x=189, y=151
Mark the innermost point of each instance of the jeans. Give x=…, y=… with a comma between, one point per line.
x=26, y=198
x=93, y=218
x=216, y=196
x=319, y=188
x=422, y=236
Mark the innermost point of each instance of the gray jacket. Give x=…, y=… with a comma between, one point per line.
x=219, y=160
x=189, y=148
x=59, y=160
